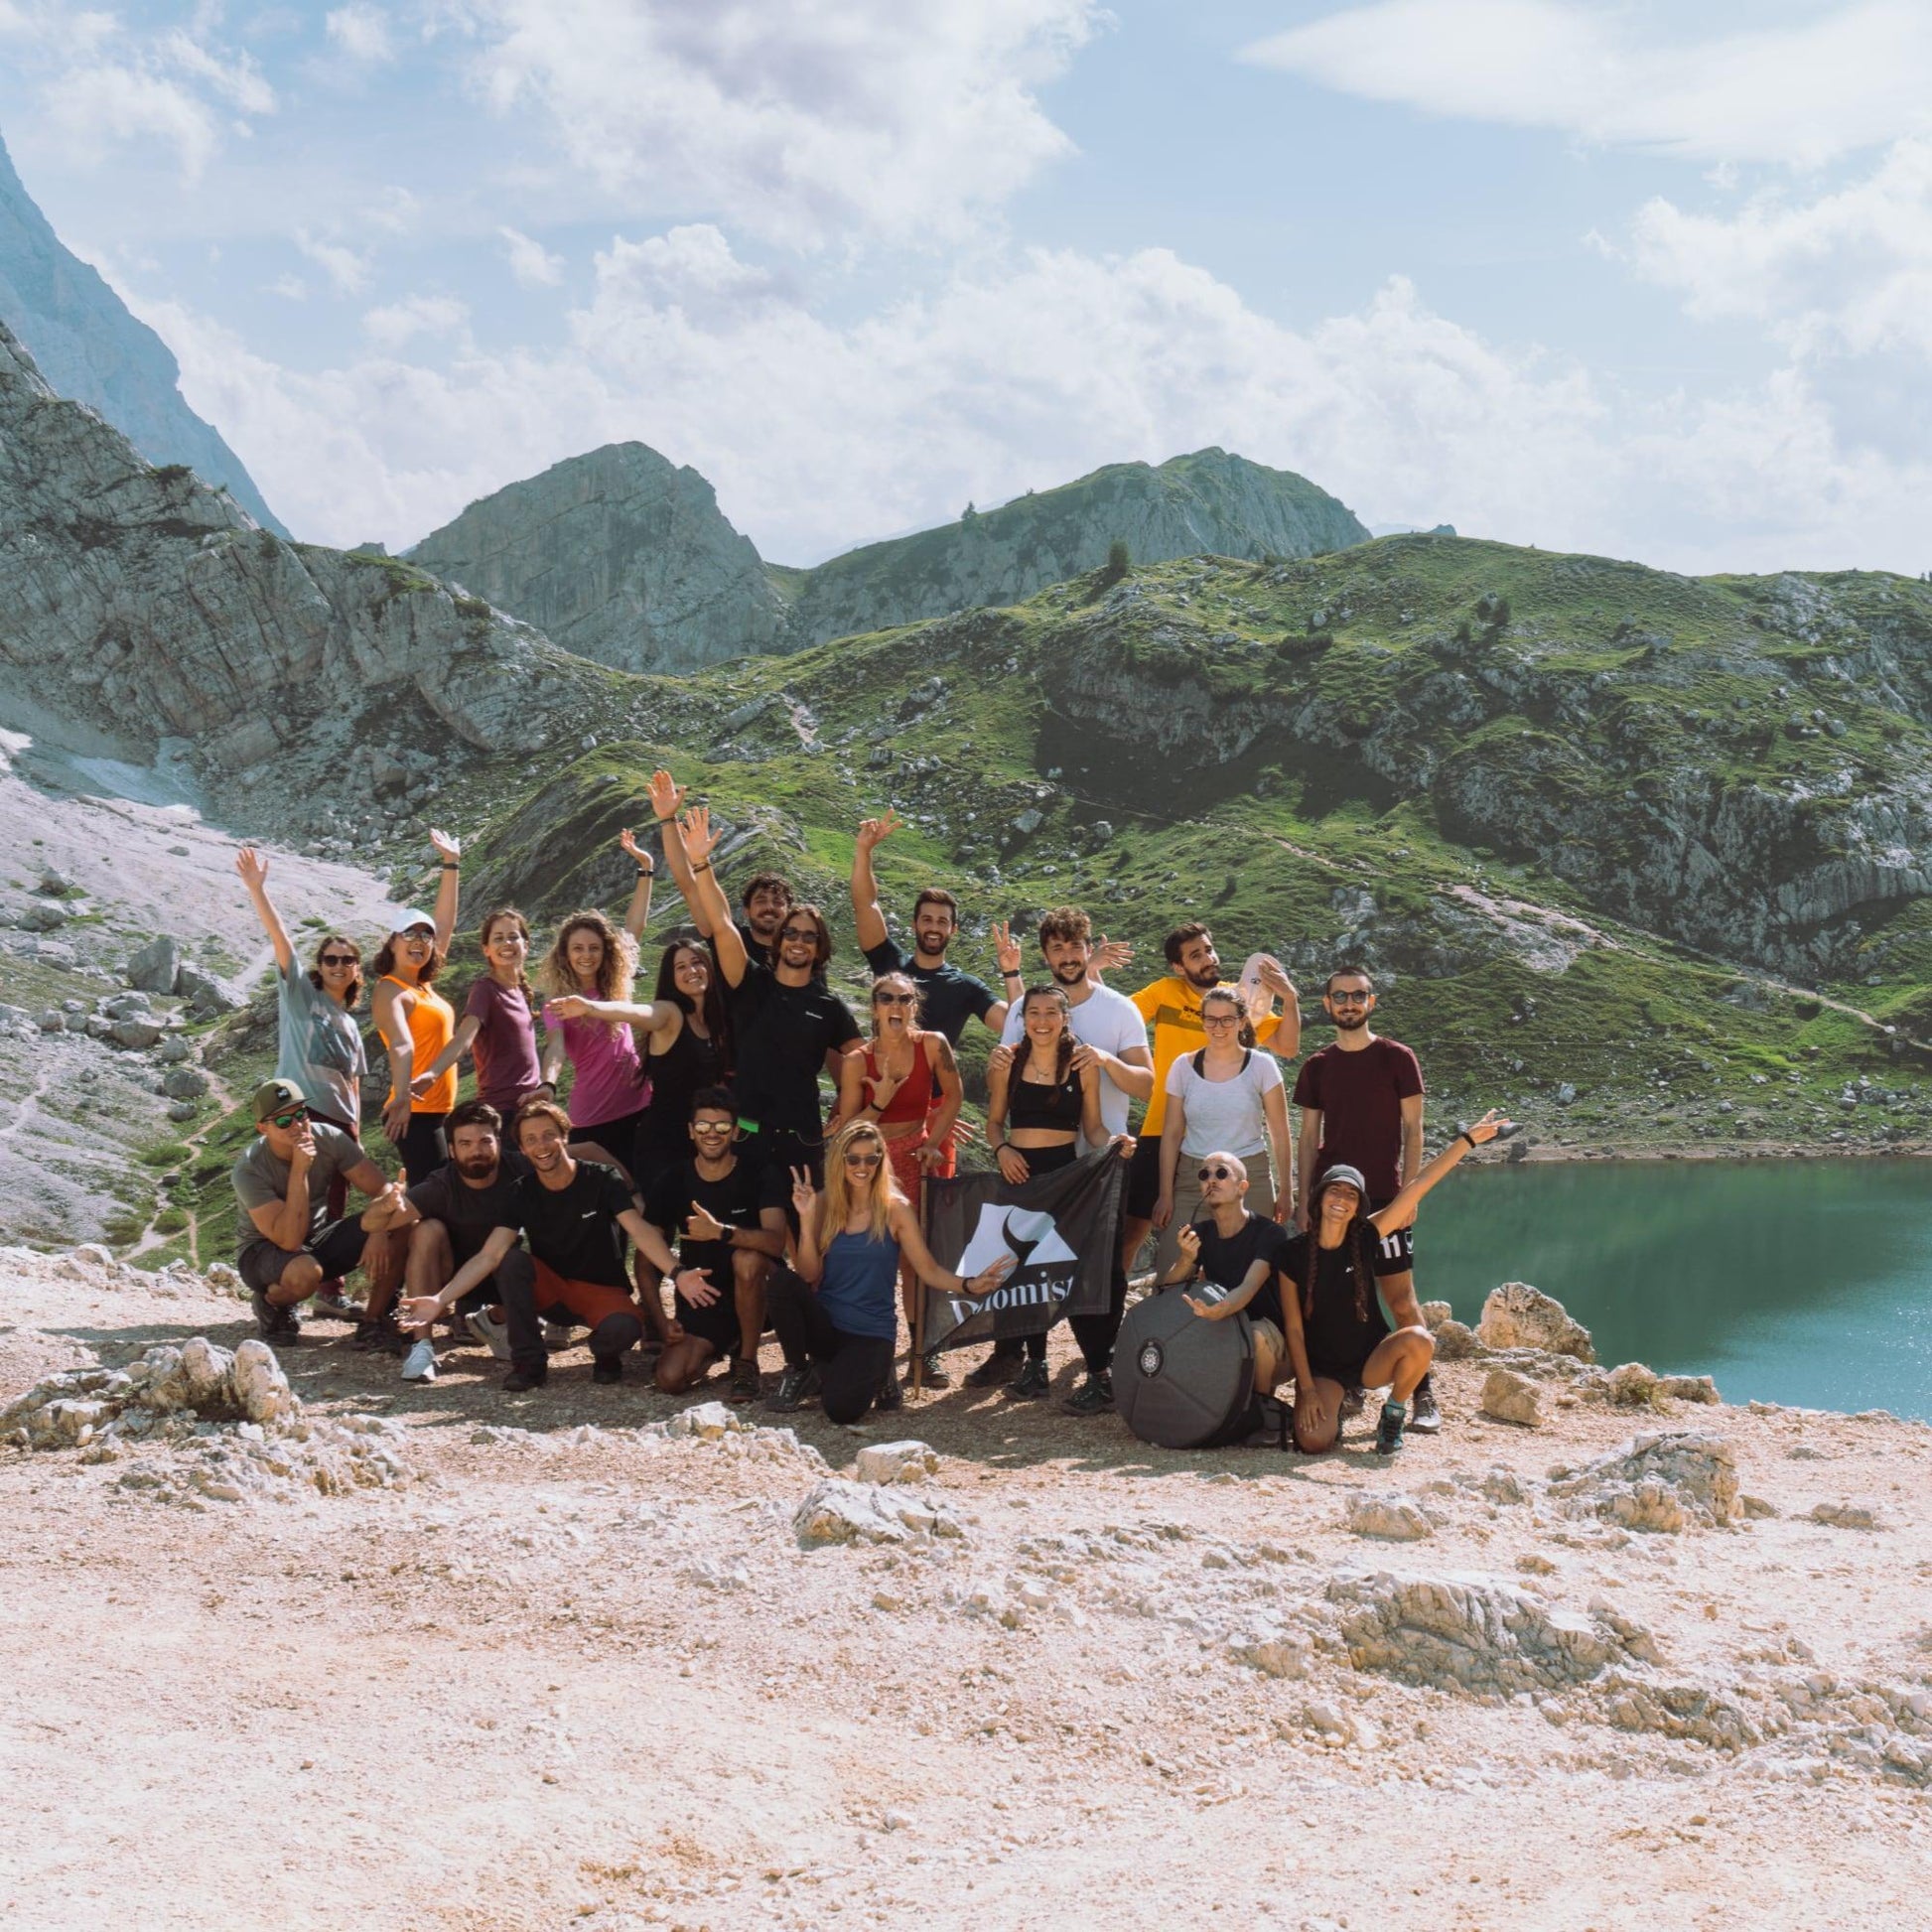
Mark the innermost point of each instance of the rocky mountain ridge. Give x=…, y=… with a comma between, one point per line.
x=88, y=348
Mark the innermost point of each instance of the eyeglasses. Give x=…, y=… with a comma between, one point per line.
x=1215, y=1174
x=338, y=959
x=894, y=999
x=1349, y=999
x=419, y=935
x=854, y=1159
x=289, y=1120
x=1220, y=1020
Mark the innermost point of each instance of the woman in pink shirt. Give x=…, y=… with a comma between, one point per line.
x=588, y=1020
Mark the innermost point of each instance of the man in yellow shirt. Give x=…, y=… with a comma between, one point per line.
x=1171, y=1009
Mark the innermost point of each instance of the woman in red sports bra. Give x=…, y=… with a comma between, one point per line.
x=907, y=1081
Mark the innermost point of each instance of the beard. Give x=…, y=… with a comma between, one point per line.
x=475, y=1170
x=1206, y=979
x=1351, y=1021
x=1071, y=972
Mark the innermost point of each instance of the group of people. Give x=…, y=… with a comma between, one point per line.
x=695, y=1192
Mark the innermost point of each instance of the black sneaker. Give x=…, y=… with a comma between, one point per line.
x=1424, y=1416
x=268, y=1317
x=379, y=1338
x=797, y=1386
x=932, y=1371
x=520, y=1381
x=1352, y=1401
x=606, y=1368
x=747, y=1383
x=998, y=1368
x=1388, y=1431
x=1094, y=1396
x=1031, y=1382
x=889, y=1396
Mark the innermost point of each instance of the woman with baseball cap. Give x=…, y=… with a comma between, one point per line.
x=416, y=1023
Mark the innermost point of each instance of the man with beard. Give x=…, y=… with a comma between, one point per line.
x=765, y=900
x=948, y=998
x=463, y=1204
x=1361, y=1102
x=1171, y=1008
x=1111, y=1032
x=575, y=1215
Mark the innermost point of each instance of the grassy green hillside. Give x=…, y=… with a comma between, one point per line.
x=1634, y=854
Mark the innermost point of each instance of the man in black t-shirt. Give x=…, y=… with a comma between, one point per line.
x=1239, y=1252
x=948, y=998
x=575, y=1215
x=728, y=1217
x=462, y=1204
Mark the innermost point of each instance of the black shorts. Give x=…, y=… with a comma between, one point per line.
x=1144, y=1179
x=617, y=1137
x=716, y=1323
x=336, y=1247
x=1401, y=1245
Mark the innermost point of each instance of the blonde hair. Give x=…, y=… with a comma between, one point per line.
x=614, y=971
x=839, y=1198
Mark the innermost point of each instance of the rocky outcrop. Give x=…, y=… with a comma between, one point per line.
x=148, y=605
x=1209, y=502
x=621, y=556
x=90, y=348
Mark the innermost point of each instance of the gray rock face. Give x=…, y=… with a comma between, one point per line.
x=154, y=968
x=149, y=604
x=89, y=348
x=1661, y=1482
x=619, y=555
x=1208, y=501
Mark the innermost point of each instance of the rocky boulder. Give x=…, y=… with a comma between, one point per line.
x=1517, y=1316
x=1667, y=1482
x=1508, y=1396
x=154, y=968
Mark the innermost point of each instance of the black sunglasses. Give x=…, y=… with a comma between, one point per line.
x=338, y=959
x=854, y=1159
x=1349, y=999
x=712, y=1126
x=894, y=999
x=288, y=1120
x=1215, y=1174
x=799, y=932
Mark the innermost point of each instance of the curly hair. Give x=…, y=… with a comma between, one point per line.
x=615, y=970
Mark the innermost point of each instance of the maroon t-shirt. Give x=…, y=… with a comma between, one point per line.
x=505, y=1047
x=1359, y=1097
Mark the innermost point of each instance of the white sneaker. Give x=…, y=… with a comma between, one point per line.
x=495, y=1335
x=557, y=1335
x=419, y=1365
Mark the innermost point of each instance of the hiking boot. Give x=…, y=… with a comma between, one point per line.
x=419, y=1365
x=1094, y=1396
x=268, y=1317
x=932, y=1373
x=1388, y=1431
x=606, y=1368
x=1031, y=1382
x=520, y=1381
x=747, y=1383
x=998, y=1368
x=889, y=1396
x=797, y=1386
x=379, y=1338
x=1424, y=1416
x=495, y=1335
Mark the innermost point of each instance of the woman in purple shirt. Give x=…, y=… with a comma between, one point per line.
x=590, y=1020
x=496, y=1025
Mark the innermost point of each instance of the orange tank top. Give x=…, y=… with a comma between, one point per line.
x=432, y=1025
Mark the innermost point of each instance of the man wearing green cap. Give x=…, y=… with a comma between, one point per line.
x=281, y=1180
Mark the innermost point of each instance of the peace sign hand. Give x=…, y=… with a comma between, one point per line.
x=872, y=830
x=804, y=1196
x=1006, y=948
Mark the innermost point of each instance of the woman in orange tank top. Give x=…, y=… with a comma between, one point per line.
x=416, y=1023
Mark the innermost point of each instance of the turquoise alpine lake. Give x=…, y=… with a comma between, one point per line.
x=1803, y=1281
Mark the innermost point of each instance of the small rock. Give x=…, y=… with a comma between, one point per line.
x=1850, y=1516
x=1517, y=1316
x=44, y=916
x=1393, y=1518
x=1455, y=1341
x=204, y=991
x=1510, y=1397
x=137, y=1034
x=907, y=1462
x=181, y=1110
x=154, y=967
x=183, y=1082
x=837, y=1510
x=51, y=1020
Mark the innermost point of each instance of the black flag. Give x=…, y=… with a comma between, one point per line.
x=1061, y=1230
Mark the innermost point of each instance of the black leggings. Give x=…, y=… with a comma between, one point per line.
x=424, y=1148
x=850, y=1368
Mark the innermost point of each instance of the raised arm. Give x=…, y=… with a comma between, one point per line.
x=638, y=914
x=708, y=908
x=253, y=868
x=867, y=919
x=1282, y=1036
x=805, y=1202
x=1401, y=1212
x=450, y=857
x=666, y=796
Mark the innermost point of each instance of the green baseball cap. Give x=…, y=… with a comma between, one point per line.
x=274, y=1097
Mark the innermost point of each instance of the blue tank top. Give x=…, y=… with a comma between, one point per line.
x=860, y=1287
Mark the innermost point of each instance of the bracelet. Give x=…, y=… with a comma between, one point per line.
x=665, y=820
x=551, y=1084
x=1466, y=1135
x=452, y=865
x=1011, y=973
x=703, y=865
x=646, y=871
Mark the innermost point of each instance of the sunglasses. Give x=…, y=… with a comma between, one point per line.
x=1215, y=1174
x=857, y=1159
x=289, y=1120
x=800, y=932
x=1349, y=999
x=419, y=935
x=894, y=999
x=711, y=1127
x=338, y=959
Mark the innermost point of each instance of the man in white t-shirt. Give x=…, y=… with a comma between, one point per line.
x=1113, y=1035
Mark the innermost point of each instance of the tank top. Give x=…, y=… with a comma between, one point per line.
x=917, y=1096
x=432, y=1025
x=673, y=1077
x=1032, y=1104
x=859, y=1288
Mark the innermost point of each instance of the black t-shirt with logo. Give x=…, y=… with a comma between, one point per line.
x=948, y=998
x=734, y=1200
x=1336, y=1332
x=782, y=1035
x=1226, y=1259
x=468, y=1212
x=574, y=1230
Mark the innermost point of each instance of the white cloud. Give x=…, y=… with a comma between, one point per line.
x=361, y=32
x=417, y=314
x=236, y=81
x=395, y=210
x=348, y=271
x=1620, y=75
x=94, y=109
x=904, y=119
x=291, y=287
x=1029, y=372
x=532, y=264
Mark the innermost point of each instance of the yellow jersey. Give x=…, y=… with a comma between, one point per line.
x=1172, y=1010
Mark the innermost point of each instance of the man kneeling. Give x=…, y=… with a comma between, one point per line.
x=1240, y=1252
x=728, y=1221
x=577, y=1216
x=281, y=1180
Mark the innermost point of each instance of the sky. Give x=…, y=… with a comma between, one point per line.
x=1644, y=280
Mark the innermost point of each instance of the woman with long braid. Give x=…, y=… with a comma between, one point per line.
x=1337, y=1335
